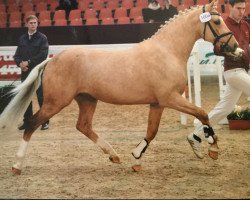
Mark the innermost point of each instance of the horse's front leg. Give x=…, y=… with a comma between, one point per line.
x=154, y=118
x=179, y=103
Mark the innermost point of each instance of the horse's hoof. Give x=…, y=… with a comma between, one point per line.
x=213, y=154
x=137, y=168
x=213, y=151
x=16, y=171
x=114, y=159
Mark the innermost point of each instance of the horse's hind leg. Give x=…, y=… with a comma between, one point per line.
x=43, y=115
x=154, y=118
x=179, y=103
x=87, y=106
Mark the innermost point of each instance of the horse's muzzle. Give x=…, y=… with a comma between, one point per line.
x=234, y=51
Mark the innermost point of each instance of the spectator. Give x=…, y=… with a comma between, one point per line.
x=153, y=12
x=168, y=11
x=236, y=73
x=32, y=49
x=67, y=5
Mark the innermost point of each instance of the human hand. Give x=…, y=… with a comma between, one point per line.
x=25, y=63
x=24, y=66
x=235, y=58
x=237, y=55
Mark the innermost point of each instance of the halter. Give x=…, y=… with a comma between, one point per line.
x=216, y=36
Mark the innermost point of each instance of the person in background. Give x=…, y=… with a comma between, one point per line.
x=67, y=5
x=153, y=12
x=168, y=11
x=236, y=74
x=32, y=49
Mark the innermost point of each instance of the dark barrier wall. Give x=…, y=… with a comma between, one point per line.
x=72, y=35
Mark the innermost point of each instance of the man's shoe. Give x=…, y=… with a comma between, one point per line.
x=22, y=127
x=45, y=126
x=195, y=143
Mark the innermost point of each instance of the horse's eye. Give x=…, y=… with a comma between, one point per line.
x=217, y=22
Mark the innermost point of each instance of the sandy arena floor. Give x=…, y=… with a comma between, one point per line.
x=63, y=163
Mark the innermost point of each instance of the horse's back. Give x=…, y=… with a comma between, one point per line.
x=107, y=75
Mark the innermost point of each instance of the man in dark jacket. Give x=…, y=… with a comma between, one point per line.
x=32, y=49
x=153, y=12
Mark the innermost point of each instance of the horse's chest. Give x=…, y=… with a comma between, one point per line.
x=173, y=77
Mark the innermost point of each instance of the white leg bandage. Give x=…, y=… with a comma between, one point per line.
x=209, y=134
x=21, y=154
x=106, y=147
x=140, y=149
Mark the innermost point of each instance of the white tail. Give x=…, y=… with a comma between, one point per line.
x=24, y=92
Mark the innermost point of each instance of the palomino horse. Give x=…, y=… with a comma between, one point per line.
x=152, y=72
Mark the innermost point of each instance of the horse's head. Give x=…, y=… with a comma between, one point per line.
x=216, y=31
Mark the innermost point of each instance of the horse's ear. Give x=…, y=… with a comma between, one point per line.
x=212, y=5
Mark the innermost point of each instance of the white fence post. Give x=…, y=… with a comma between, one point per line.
x=197, y=80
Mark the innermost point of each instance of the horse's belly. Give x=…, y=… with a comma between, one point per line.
x=124, y=97
x=130, y=101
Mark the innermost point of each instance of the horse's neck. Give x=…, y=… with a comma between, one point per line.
x=179, y=36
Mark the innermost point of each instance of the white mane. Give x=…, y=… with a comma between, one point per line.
x=180, y=13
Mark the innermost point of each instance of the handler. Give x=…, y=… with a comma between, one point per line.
x=236, y=74
x=32, y=49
